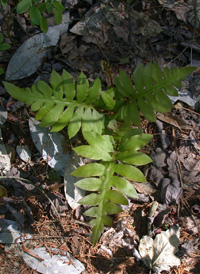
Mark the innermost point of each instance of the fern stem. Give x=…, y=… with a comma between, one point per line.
x=106, y=186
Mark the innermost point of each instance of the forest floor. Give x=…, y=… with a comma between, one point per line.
x=102, y=38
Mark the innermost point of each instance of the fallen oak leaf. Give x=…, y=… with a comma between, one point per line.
x=159, y=254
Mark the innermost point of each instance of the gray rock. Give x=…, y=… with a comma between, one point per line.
x=158, y=158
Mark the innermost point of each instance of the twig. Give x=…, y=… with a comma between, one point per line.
x=186, y=47
x=177, y=155
x=42, y=191
x=31, y=253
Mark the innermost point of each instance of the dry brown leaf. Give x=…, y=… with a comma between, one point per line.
x=172, y=120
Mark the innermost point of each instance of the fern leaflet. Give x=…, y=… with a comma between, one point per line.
x=62, y=104
x=114, y=145
x=101, y=177
x=149, y=92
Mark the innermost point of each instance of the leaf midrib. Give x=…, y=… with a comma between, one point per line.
x=156, y=86
x=56, y=101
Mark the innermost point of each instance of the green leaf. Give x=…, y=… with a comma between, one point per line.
x=56, y=81
x=35, y=15
x=156, y=105
x=63, y=105
x=4, y=46
x=103, y=142
x=134, y=114
x=23, y=6
x=113, y=125
x=58, y=6
x=44, y=25
x=42, y=7
x=182, y=73
x=37, y=92
x=89, y=184
x=130, y=172
x=151, y=83
x=3, y=3
x=49, y=6
x=105, y=220
x=126, y=112
x=166, y=72
x=123, y=186
x=171, y=90
x=90, y=200
x=64, y=119
x=68, y=86
x=82, y=87
x=92, y=121
x=163, y=99
x=36, y=105
x=135, y=142
x=1, y=71
x=156, y=73
x=146, y=110
x=52, y=116
x=57, y=105
x=112, y=208
x=75, y=123
x=15, y=92
x=116, y=197
x=177, y=83
x=92, y=212
x=126, y=83
x=147, y=75
x=96, y=232
x=44, y=110
x=27, y=93
x=121, y=113
x=58, y=16
x=87, y=123
x=138, y=78
x=98, y=121
x=127, y=132
x=134, y=158
x=122, y=91
x=44, y=88
x=89, y=170
x=94, y=91
x=93, y=152
x=108, y=100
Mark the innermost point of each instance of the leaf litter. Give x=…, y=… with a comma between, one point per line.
x=159, y=254
x=122, y=37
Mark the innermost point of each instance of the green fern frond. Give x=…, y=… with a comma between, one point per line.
x=101, y=177
x=149, y=91
x=62, y=103
x=105, y=118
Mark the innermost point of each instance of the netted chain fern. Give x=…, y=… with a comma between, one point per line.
x=63, y=103
x=106, y=119
x=109, y=177
x=149, y=92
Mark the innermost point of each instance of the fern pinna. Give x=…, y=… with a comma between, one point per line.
x=109, y=177
x=150, y=91
x=110, y=122
x=63, y=103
